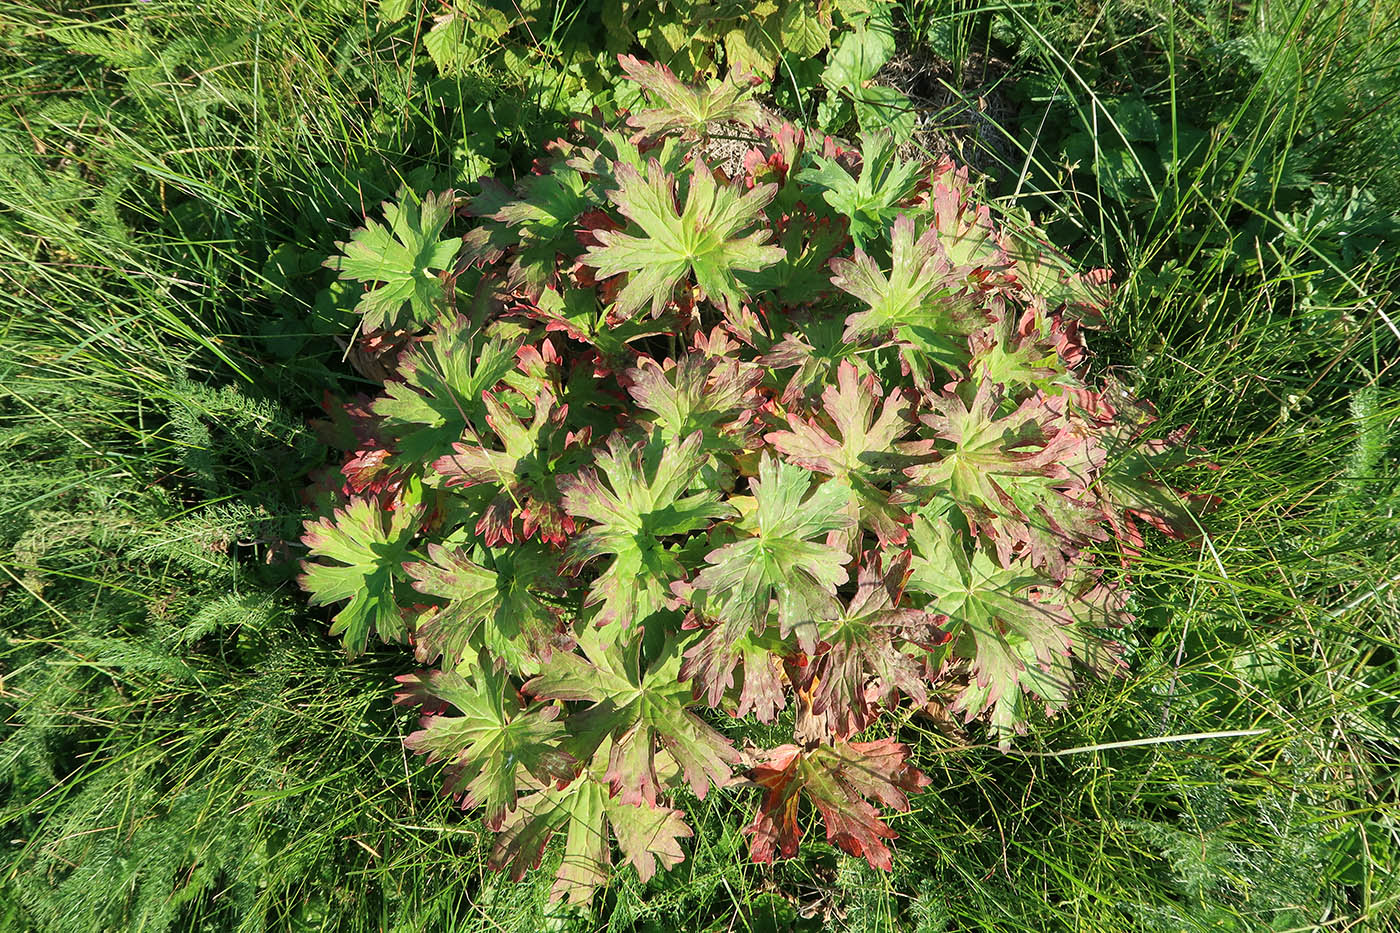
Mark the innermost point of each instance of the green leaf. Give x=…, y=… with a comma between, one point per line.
x=779, y=561
x=539, y=226
x=1018, y=629
x=445, y=380
x=713, y=395
x=806, y=29
x=401, y=258
x=860, y=56
x=883, y=109
x=679, y=108
x=871, y=200
x=524, y=474
x=641, y=505
x=645, y=716
x=1011, y=476
x=497, y=609
x=583, y=812
x=493, y=740
x=919, y=300
x=704, y=240
x=366, y=545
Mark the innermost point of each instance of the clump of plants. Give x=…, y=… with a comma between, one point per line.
x=662, y=450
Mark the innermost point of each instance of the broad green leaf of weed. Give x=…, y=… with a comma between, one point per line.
x=365, y=547
x=401, y=260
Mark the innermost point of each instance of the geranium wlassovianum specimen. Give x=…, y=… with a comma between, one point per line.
x=668, y=448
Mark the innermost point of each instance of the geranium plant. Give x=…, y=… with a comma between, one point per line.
x=665, y=447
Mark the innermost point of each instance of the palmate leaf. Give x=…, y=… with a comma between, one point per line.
x=871, y=200
x=636, y=717
x=679, y=108
x=966, y=234
x=1019, y=630
x=401, y=259
x=779, y=560
x=366, y=546
x=443, y=391
x=703, y=240
x=710, y=664
x=584, y=812
x=841, y=780
x=498, y=609
x=524, y=473
x=860, y=664
x=864, y=457
x=917, y=301
x=642, y=504
x=713, y=395
x=537, y=227
x=1007, y=474
x=491, y=741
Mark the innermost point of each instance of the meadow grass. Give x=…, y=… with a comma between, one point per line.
x=183, y=746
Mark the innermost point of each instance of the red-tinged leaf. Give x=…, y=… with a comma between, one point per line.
x=969, y=242
x=841, y=780
x=445, y=381
x=712, y=395
x=635, y=716
x=634, y=514
x=498, y=609
x=861, y=664
x=1035, y=351
x=647, y=836
x=680, y=108
x=864, y=457
x=365, y=547
x=1018, y=630
x=525, y=473
x=921, y=302
x=711, y=662
x=1009, y=475
x=492, y=740
x=705, y=240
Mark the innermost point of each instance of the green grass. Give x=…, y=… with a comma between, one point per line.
x=183, y=746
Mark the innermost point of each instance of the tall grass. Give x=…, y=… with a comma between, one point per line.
x=184, y=749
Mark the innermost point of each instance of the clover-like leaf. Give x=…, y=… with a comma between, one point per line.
x=366, y=546
x=401, y=260
x=841, y=780
x=704, y=240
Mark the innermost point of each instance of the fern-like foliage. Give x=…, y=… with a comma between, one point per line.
x=685, y=468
